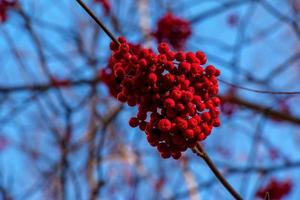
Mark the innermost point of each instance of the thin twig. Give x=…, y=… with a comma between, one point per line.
x=104, y=28
x=198, y=149
x=42, y=87
x=259, y=91
x=267, y=197
x=265, y=110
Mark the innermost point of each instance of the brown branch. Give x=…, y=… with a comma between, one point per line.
x=104, y=28
x=201, y=153
x=259, y=91
x=263, y=110
x=42, y=87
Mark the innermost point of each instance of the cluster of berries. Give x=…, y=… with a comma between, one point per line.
x=173, y=30
x=276, y=189
x=105, y=4
x=4, y=6
x=176, y=97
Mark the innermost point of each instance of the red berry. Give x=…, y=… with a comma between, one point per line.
x=201, y=56
x=163, y=48
x=176, y=155
x=184, y=67
x=134, y=122
x=180, y=56
x=165, y=155
x=169, y=103
x=181, y=123
x=206, y=116
x=152, y=78
x=189, y=133
x=176, y=94
x=164, y=125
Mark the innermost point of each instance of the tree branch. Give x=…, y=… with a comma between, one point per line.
x=201, y=153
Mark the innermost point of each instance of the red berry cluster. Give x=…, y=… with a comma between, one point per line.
x=4, y=6
x=176, y=97
x=276, y=189
x=105, y=4
x=173, y=30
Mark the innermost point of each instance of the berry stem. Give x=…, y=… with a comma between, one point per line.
x=198, y=149
x=267, y=197
x=92, y=15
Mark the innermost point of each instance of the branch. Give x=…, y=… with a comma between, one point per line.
x=264, y=170
x=104, y=28
x=263, y=109
x=201, y=153
x=42, y=87
x=259, y=91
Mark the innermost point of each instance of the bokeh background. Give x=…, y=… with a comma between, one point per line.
x=62, y=135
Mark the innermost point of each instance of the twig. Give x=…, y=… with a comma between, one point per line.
x=259, y=91
x=267, y=111
x=104, y=28
x=201, y=152
x=42, y=87
x=267, y=197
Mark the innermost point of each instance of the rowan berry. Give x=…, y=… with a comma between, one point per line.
x=176, y=94
x=176, y=155
x=152, y=78
x=163, y=48
x=201, y=56
x=180, y=56
x=134, y=122
x=164, y=125
x=184, y=67
x=169, y=103
x=189, y=133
